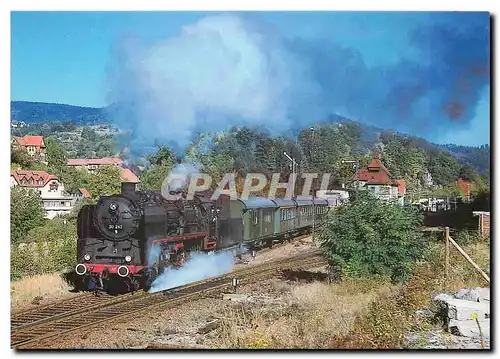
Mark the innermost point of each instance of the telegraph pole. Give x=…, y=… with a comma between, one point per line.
x=355, y=165
x=314, y=189
x=294, y=170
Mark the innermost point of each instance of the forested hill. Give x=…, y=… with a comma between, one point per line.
x=38, y=112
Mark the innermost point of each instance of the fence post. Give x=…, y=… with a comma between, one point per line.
x=447, y=255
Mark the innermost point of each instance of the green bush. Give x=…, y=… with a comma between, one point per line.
x=55, y=250
x=26, y=212
x=466, y=237
x=369, y=238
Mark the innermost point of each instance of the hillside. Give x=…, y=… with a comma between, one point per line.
x=36, y=112
x=39, y=112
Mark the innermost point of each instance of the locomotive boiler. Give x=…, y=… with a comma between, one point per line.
x=130, y=238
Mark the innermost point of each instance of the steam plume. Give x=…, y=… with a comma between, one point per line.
x=226, y=70
x=218, y=72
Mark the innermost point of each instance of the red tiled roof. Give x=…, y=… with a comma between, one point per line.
x=35, y=175
x=128, y=176
x=375, y=173
x=85, y=193
x=30, y=141
x=95, y=161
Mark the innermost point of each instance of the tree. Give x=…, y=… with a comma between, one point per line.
x=106, y=181
x=20, y=157
x=56, y=158
x=56, y=229
x=26, y=212
x=367, y=237
x=444, y=168
x=105, y=147
x=73, y=178
x=154, y=177
x=164, y=156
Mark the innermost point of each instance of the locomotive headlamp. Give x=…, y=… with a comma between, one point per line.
x=128, y=258
x=86, y=257
x=113, y=206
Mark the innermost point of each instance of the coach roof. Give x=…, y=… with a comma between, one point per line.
x=257, y=202
x=308, y=200
x=281, y=202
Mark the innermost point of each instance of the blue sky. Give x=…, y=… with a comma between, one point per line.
x=64, y=57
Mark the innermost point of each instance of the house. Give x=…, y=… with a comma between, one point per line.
x=335, y=197
x=93, y=164
x=54, y=198
x=33, y=145
x=128, y=176
x=81, y=193
x=18, y=124
x=376, y=178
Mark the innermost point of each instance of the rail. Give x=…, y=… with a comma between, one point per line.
x=89, y=317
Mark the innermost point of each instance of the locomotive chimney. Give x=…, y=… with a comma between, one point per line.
x=128, y=188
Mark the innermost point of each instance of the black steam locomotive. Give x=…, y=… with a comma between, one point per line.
x=130, y=238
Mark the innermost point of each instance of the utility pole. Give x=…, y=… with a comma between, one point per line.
x=294, y=170
x=314, y=189
x=355, y=165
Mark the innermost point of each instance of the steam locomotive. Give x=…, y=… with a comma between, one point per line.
x=129, y=239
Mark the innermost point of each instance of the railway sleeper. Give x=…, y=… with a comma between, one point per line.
x=31, y=317
x=66, y=326
x=35, y=333
x=19, y=337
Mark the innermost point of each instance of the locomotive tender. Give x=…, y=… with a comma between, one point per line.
x=130, y=238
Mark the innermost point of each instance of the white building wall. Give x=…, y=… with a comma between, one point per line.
x=55, y=201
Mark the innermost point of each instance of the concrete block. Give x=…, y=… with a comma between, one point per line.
x=469, y=328
x=474, y=294
x=234, y=297
x=463, y=309
x=483, y=294
x=443, y=297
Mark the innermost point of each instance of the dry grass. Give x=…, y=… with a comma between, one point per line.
x=462, y=274
x=40, y=289
x=286, y=314
x=392, y=315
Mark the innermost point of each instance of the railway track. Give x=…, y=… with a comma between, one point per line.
x=27, y=334
x=62, y=308
x=82, y=303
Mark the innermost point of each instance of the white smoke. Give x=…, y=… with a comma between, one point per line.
x=221, y=71
x=199, y=266
x=154, y=253
x=178, y=178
